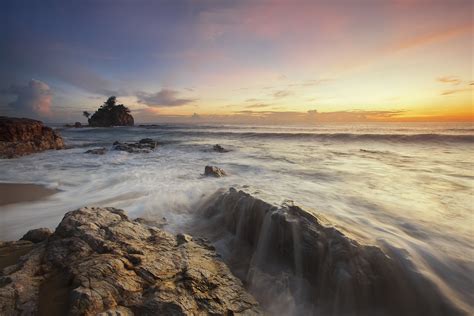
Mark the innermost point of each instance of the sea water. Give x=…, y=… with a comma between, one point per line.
x=406, y=187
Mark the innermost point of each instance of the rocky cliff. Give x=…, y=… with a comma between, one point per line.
x=100, y=261
x=22, y=136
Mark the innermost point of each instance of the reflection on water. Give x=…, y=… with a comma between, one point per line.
x=407, y=187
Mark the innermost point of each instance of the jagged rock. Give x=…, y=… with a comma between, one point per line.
x=111, y=114
x=37, y=235
x=145, y=145
x=97, y=151
x=296, y=264
x=111, y=265
x=22, y=136
x=214, y=171
x=219, y=148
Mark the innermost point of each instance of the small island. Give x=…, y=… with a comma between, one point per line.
x=111, y=114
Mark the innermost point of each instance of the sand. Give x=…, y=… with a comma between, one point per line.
x=11, y=193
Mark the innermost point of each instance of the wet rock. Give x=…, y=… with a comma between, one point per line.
x=97, y=151
x=218, y=148
x=145, y=145
x=295, y=263
x=183, y=238
x=22, y=136
x=37, y=235
x=113, y=266
x=213, y=171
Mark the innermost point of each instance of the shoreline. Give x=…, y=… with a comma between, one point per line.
x=13, y=193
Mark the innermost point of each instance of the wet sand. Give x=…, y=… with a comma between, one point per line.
x=11, y=193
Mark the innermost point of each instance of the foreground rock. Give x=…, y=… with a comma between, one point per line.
x=111, y=114
x=99, y=261
x=22, y=136
x=213, y=171
x=296, y=265
x=145, y=145
x=37, y=235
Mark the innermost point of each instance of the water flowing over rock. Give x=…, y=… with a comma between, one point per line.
x=296, y=265
x=144, y=145
x=22, y=136
x=96, y=151
x=99, y=261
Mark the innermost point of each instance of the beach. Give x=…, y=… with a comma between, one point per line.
x=11, y=193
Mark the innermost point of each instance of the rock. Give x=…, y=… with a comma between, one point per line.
x=111, y=114
x=22, y=136
x=77, y=125
x=295, y=263
x=219, y=148
x=37, y=235
x=145, y=145
x=110, y=265
x=214, y=171
x=183, y=238
x=96, y=151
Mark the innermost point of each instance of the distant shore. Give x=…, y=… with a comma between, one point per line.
x=11, y=193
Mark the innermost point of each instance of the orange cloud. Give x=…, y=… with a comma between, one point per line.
x=432, y=37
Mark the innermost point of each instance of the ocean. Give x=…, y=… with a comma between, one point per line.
x=404, y=187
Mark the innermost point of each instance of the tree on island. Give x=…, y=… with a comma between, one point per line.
x=111, y=114
x=86, y=114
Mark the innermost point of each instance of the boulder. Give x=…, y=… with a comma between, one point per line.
x=218, y=148
x=22, y=136
x=77, y=125
x=99, y=262
x=37, y=235
x=96, y=151
x=145, y=145
x=296, y=263
x=213, y=171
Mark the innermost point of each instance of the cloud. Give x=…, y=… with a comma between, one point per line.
x=449, y=79
x=434, y=36
x=163, y=98
x=454, y=91
x=32, y=100
x=257, y=105
x=281, y=94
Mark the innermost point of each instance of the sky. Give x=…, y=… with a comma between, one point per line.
x=239, y=61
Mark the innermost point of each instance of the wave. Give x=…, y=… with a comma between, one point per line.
x=343, y=137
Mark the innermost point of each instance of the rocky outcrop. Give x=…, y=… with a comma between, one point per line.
x=37, y=235
x=99, y=261
x=145, y=145
x=218, y=148
x=296, y=264
x=96, y=151
x=213, y=171
x=22, y=136
x=111, y=114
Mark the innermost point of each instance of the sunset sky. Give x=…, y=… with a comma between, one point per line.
x=239, y=61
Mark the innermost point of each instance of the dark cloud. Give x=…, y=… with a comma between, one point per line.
x=163, y=98
x=454, y=91
x=32, y=100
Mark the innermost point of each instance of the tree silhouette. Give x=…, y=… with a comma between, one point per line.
x=86, y=114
